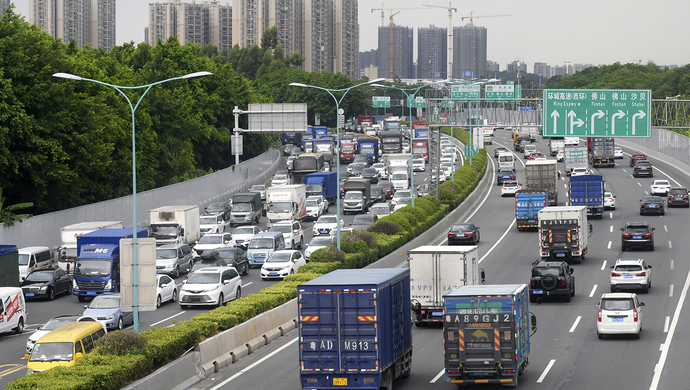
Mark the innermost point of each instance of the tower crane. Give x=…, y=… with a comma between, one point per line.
x=471, y=17
x=391, y=9
x=450, y=9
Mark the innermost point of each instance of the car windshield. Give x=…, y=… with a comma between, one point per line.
x=215, y=207
x=327, y=219
x=244, y=230
x=208, y=220
x=402, y=194
x=312, y=203
x=163, y=230
x=55, y=323
x=280, y=207
x=357, y=168
x=208, y=239
x=628, y=267
x=651, y=199
x=617, y=304
x=261, y=243
x=378, y=165
x=643, y=163
x=661, y=183
x=93, y=267
x=403, y=201
x=258, y=188
x=312, y=188
x=40, y=276
x=399, y=176
x=320, y=241
x=279, y=257
x=227, y=253
x=105, y=302
x=678, y=192
x=353, y=195
x=383, y=209
x=376, y=190
x=242, y=207
x=509, y=183
x=204, y=278
x=461, y=228
x=23, y=259
x=280, y=228
x=52, y=352
x=540, y=271
x=279, y=177
x=363, y=220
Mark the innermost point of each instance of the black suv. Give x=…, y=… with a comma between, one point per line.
x=643, y=168
x=637, y=234
x=551, y=278
x=678, y=196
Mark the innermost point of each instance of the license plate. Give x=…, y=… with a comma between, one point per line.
x=437, y=313
x=339, y=381
x=637, y=237
x=617, y=319
x=679, y=198
x=90, y=293
x=651, y=206
x=238, y=244
x=537, y=292
x=531, y=221
x=324, y=231
x=272, y=274
x=352, y=207
x=159, y=271
x=560, y=254
x=29, y=294
x=627, y=276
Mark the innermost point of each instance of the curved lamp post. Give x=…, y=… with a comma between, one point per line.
x=120, y=89
x=337, y=136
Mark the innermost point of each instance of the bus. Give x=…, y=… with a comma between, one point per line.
x=306, y=163
x=392, y=141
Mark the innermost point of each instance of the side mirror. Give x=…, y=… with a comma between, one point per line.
x=653, y=229
x=598, y=304
x=621, y=229
x=649, y=266
x=26, y=356
x=86, y=306
x=571, y=271
x=164, y=285
x=612, y=266
x=78, y=355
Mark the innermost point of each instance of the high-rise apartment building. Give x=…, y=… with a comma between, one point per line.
x=287, y=16
x=492, y=66
x=432, y=53
x=543, y=69
x=396, y=52
x=4, y=4
x=469, y=51
x=88, y=22
x=250, y=19
x=204, y=23
x=346, y=38
x=517, y=65
x=319, y=40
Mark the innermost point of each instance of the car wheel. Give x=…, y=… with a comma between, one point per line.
x=238, y=294
x=637, y=336
x=221, y=298
x=51, y=294
x=120, y=323
x=177, y=272
x=81, y=298
x=601, y=336
x=645, y=289
x=567, y=297
x=651, y=247
x=20, y=326
x=158, y=301
x=70, y=289
x=174, y=295
x=301, y=242
x=246, y=270
x=191, y=264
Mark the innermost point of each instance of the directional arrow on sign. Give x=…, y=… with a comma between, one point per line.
x=555, y=115
x=598, y=114
x=640, y=114
x=619, y=114
x=573, y=122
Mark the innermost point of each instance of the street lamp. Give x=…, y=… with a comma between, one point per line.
x=337, y=136
x=135, y=280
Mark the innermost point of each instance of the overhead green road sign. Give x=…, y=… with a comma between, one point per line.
x=418, y=102
x=465, y=91
x=499, y=92
x=381, y=101
x=597, y=113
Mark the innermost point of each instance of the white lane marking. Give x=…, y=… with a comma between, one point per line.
x=603, y=265
x=668, y=319
x=670, y=291
x=672, y=264
x=624, y=170
x=498, y=242
x=247, y=284
x=669, y=177
x=594, y=289
x=665, y=228
x=611, y=214
x=670, y=245
x=638, y=183
x=546, y=370
x=577, y=321
x=166, y=319
x=661, y=347
x=437, y=377
x=565, y=186
x=659, y=368
x=609, y=246
x=646, y=193
x=611, y=229
x=270, y=355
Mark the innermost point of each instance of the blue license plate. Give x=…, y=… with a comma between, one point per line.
x=437, y=313
x=90, y=293
x=651, y=206
x=352, y=207
x=238, y=244
x=29, y=294
x=627, y=276
x=679, y=198
x=531, y=221
x=272, y=274
x=560, y=254
x=617, y=319
x=159, y=271
x=637, y=237
x=537, y=292
x=240, y=219
x=324, y=231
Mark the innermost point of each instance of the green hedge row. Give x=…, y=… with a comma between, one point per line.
x=102, y=371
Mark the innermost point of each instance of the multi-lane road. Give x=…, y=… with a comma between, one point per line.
x=566, y=353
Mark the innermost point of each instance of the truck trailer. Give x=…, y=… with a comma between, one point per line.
x=286, y=203
x=67, y=252
x=543, y=175
x=527, y=206
x=322, y=183
x=175, y=224
x=355, y=329
x=588, y=191
x=601, y=153
x=563, y=235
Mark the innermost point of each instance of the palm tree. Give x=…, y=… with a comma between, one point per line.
x=7, y=215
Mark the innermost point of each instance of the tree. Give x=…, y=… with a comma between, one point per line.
x=7, y=215
x=269, y=39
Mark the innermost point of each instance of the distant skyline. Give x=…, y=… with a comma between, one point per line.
x=583, y=31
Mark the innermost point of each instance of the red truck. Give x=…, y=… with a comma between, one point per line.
x=348, y=150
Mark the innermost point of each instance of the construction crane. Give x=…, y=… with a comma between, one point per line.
x=391, y=9
x=450, y=35
x=471, y=17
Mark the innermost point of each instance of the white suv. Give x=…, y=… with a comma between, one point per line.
x=619, y=313
x=631, y=274
x=660, y=187
x=211, y=286
x=292, y=233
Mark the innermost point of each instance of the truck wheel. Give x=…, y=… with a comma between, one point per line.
x=81, y=298
x=246, y=270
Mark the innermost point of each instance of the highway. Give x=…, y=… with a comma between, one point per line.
x=565, y=351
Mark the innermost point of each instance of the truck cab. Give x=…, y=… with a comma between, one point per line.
x=246, y=208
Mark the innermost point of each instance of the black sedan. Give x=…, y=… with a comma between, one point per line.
x=371, y=174
x=652, y=205
x=47, y=283
x=377, y=194
x=219, y=207
x=235, y=257
x=463, y=233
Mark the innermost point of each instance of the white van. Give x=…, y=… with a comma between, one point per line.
x=506, y=160
x=12, y=310
x=32, y=258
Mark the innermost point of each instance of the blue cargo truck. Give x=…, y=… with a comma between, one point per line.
x=588, y=191
x=322, y=183
x=486, y=333
x=355, y=329
x=370, y=148
x=320, y=131
x=421, y=132
x=527, y=206
x=98, y=261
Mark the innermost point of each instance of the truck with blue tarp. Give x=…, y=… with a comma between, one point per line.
x=370, y=148
x=421, y=132
x=322, y=183
x=527, y=206
x=588, y=191
x=486, y=334
x=320, y=131
x=355, y=329
x=292, y=138
x=98, y=261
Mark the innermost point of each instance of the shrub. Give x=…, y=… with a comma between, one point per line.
x=320, y=268
x=327, y=255
x=301, y=277
x=385, y=227
x=367, y=237
x=398, y=220
x=120, y=343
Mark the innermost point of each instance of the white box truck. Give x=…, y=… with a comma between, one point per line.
x=563, y=233
x=67, y=252
x=436, y=271
x=398, y=162
x=175, y=224
x=286, y=203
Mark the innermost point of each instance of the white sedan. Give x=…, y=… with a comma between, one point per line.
x=660, y=187
x=609, y=201
x=280, y=180
x=325, y=224
x=380, y=169
x=166, y=289
x=617, y=152
x=281, y=264
x=318, y=242
x=509, y=188
x=579, y=172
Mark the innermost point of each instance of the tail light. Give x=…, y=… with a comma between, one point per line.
x=451, y=234
x=615, y=274
x=626, y=235
x=468, y=234
x=533, y=283
x=635, y=315
x=599, y=316
x=648, y=235
x=563, y=282
x=643, y=273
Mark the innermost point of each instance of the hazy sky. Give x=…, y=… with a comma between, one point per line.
x=551, y=31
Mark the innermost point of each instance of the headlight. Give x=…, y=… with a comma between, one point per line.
x=108, y=285
x=110, y=317
x=44, y=288
x=74, y=284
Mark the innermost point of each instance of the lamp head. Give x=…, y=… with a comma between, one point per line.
x=66, y=76
x=376, y=80
x=197, y=74
x=298, y=85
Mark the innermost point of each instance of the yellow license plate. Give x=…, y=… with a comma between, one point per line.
x=339, y=381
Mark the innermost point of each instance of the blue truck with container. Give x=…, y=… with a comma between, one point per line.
x=527, y=206
x=322, y=183
x=370, y=148
x=355, y=329
x=486, y=334
x=292, y=138
x=98, y=261
x=320, y=131
x=588, y=191
x=421, y=132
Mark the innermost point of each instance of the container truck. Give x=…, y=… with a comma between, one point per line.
x=9, y=272
x=421, y=146
x=486, y=334
x=420, y=131
x=246, y=208
x=98, y=263
x=370, y=148
x=392, y=141
x=533, y=132
x=357, y=195
x=556, y=144
x=322, y=183
x=563, y=235
x=320, y=131
x=174, y=224
x=398, y=162
x=601, y=153
x=588, y=191
x=67, y=252
x=543, y=175
x=354, y=329
x=436, y=271
x=527, y=206
x=286, y=203
x=575, y=157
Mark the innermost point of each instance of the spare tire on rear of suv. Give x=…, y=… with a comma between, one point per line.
x=549, y=282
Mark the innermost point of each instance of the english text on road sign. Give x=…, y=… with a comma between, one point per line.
x=465, y=91
x=381, y=101
x=499, y=92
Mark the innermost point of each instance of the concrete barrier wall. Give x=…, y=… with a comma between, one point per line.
x=177, y=375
